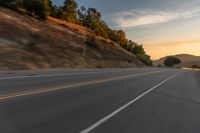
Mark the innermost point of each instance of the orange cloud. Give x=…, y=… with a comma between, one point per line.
x=174, y=43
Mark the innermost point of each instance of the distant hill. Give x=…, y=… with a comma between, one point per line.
x=187, y=60
x=27, y=43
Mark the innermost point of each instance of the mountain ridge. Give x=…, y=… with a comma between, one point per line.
x=188, y=60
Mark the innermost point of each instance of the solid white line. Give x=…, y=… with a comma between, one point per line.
x=96, y=124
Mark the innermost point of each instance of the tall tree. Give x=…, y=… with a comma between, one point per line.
x=53, y=9
x=90, y=17
x=70, y=11
x=38, y=7
x=82, y=13
x=121, y=37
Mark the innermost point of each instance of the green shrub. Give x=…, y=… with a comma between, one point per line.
x=159, y=65
x=171, y=61
x=12, y=4
x=38, y=7
x=195, y=66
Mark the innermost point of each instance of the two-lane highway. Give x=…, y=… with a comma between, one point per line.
x=145, y=100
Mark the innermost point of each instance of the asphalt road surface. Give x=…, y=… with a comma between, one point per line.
x=140, y=100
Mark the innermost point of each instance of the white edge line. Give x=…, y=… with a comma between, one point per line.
x=98, y=123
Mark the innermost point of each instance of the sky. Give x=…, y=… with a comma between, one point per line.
x=164, y=27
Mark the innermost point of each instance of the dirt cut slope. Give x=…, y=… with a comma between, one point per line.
x=27, y=43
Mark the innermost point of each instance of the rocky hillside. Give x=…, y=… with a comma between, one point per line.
x=187, y=60
x=27, y=43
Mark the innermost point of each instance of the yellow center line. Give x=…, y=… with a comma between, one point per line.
x=192, y=69
x=44, y=90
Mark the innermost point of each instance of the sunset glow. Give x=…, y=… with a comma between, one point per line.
x=161, y=50
x=163, y=27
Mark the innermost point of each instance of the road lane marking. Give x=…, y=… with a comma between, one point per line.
x=38, y=91
x=101, y=121
x=191, y=69
x=45, y=75
x=51, y=75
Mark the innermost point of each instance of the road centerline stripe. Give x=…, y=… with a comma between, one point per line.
x=38, y=91
x=46, y=75
x=58, y=74
x=101, y=121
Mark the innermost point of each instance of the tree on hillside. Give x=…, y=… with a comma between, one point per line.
x=38, y=7
x=195, y=66
x=9, y=3
x=146, y=59
x=139, y=51
x=70, y=11
x=90, y=17
x=121, y=37
x=82, y=13
x=171, y=61
x=53, y=9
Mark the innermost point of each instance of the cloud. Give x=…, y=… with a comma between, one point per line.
x=175, y=43
x=132, y=18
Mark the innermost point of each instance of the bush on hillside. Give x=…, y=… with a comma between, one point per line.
x=195, y=66
x=12, y=4
x=171, y=61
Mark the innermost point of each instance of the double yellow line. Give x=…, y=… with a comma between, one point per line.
x=44, y=90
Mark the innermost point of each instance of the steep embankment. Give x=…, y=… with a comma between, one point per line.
x=27, y=43
x=187, y=60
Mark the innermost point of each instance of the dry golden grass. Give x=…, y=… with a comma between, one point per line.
x=79, y=28
x=27, y=43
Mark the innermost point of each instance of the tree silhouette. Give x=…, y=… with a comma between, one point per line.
x=38, y=7
x=171, y=61
x=70, y=11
